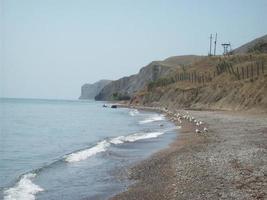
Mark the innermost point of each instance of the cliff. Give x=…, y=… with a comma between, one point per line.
x=126, y=87
x=234, y=82
x=237, y=82
x=89, y=91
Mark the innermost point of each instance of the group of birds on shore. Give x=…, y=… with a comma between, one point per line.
x=179, y=116
x=199, y=125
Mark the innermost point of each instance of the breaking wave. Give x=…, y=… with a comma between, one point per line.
x=133, y=112
x=152, y=119
x=135, y=137
x=84, y=154
x=25, y=189
x=103, y=145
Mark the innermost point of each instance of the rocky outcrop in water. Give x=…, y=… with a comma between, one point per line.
x=89, y=91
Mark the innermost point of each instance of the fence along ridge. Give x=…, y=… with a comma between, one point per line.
x=251, y=71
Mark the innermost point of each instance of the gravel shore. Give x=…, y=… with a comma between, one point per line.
x=229, y=161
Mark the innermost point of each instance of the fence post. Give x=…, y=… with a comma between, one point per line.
x=251, y=68
x=258, y=68
x=210, y=76
x=231, y=66
x=247, y=72
x=262, y=66
x=228, y=69
x=217, y=68
x=238, y=75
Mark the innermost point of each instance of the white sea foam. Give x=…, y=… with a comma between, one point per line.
x=152, y=119
x=25, y=189
x=133, y=112
x=103, y=145
x=84, y=154
x=135, y=137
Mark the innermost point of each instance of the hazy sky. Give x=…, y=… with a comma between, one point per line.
x=49, y=48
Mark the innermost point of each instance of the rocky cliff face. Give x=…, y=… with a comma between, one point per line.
x=127, y=86
x=89, y=91
x=225, y=91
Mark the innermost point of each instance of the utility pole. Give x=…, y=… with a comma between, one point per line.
x=215, y=43
x=210, y=44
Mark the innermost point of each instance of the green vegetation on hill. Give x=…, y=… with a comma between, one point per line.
x=120, y=97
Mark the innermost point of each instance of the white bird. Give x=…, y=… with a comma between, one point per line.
x=200, y=122
x=197, y=124
x=205, y=129
x=198, y=131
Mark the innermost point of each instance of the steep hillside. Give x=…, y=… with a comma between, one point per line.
x=224, y=83
x=89, y=91
x=125, y=87
x=258, y=45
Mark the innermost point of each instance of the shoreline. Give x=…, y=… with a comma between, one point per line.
x=188, y=168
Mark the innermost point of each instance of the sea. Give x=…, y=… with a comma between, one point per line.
x=73, y=149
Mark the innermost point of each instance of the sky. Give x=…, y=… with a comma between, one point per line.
x=49, y=48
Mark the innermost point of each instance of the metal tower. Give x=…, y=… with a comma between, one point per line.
x=226, y=48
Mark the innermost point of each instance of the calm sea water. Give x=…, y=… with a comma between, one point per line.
x=51, y=149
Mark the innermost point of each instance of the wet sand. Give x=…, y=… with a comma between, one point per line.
x=227, y=162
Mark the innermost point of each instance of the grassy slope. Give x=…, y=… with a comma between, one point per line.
x=224, y=92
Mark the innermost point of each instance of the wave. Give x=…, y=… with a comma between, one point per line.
x=84, y=154
x=103, y=145
x=25, y=189
x=135, y=137
x=152, y=119
x=133, y=112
